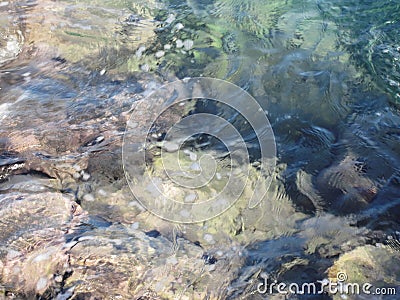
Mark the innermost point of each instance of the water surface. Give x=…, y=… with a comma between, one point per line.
x=326, y=73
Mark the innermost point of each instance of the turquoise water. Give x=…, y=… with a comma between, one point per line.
x=327, y=76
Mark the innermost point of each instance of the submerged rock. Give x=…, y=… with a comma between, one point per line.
x=32, y=234
x=273, y=217
x=127, y=263
x=12, y=37
x=49, y=251
x=379, y=267
x=346, y=187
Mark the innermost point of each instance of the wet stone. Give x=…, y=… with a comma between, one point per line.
x=188, y=44
x=85, y=176
x=170, y=146
x=179, y=44
x=35, y=225
x=190, y=198
x=88, y=197
x=159, y=54
x=179, y=26
x=193, y=156
x=209, y=238
x=145, y=68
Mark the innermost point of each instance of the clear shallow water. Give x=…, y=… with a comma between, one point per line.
x=325, y=72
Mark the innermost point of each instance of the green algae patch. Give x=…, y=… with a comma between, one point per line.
x=273, y=217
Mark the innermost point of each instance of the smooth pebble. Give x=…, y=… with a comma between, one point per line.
x=135, y=225
x=160, y=54
x=190, y=198
x=211, y=268
x=145, y=68
x=179, y=26
x=170, y=146
x=209, y=238
x=170, y=19
x=41, y=284
x=195, y=167
x=140, y=50
x=179, y=44
x=102, y=192
x=193, y=156
x=88, y=197
x=85, y=176
x=188, y=44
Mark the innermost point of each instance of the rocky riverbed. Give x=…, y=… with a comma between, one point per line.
x=72, y=73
